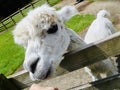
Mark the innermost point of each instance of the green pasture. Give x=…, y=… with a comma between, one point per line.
x=80, y=22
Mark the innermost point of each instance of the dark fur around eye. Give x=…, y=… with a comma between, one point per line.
x=52, y=29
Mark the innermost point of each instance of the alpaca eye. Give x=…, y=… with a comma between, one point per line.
x=52, y=29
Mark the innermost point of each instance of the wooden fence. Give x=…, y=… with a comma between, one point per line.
x=12, y=21
x=72, y=62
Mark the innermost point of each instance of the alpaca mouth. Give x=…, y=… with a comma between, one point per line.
x=48, y=73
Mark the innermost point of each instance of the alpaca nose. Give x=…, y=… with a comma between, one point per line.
x=33, y=65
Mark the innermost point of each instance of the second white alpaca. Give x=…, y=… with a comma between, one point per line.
x=46, y=39
x=100, y=29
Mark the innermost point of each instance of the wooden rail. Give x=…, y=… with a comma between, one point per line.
x=79, y=58
x=109, y=83
x=74, y=81
x=92, y=53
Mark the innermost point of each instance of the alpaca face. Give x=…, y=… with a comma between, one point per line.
x=45, y=39
x=48, y=42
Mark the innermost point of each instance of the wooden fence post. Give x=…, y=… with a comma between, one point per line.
x=12, y=20
x=32, y=5
x=4, y=25
x=21, y=12
x=5, y=84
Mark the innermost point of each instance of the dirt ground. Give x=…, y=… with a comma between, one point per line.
x=111, y=6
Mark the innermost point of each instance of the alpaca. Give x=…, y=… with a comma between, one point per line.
x=100, y=28
x=45, y=38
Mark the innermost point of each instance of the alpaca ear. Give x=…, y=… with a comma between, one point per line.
x=67, y=12
x=103, y=13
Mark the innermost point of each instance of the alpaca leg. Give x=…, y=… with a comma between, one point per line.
x=95, y=76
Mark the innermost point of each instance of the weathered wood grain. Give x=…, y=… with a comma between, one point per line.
x=109, y=83
x=92, y=53
x=62, y=82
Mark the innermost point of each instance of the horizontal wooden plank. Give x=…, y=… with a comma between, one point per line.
x=109, y=83
x=92, y=53
x=75, y=81
x=62, y=82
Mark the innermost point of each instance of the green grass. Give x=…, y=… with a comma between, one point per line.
x=80, y=22
x=11, y=55
x=53, y=2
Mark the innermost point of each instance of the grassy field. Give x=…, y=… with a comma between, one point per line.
x=80, y=22
x=12, y=55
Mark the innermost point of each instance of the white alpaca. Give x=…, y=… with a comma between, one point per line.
x=43, y=34
x=100, y=29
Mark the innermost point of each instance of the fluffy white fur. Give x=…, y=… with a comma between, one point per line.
x=100, y=28
x=45, y=51
x=67, y=12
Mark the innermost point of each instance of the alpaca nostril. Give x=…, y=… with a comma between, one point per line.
x=33, y=65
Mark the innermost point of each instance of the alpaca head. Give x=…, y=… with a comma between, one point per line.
x=42, y=33
x=103, y=13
